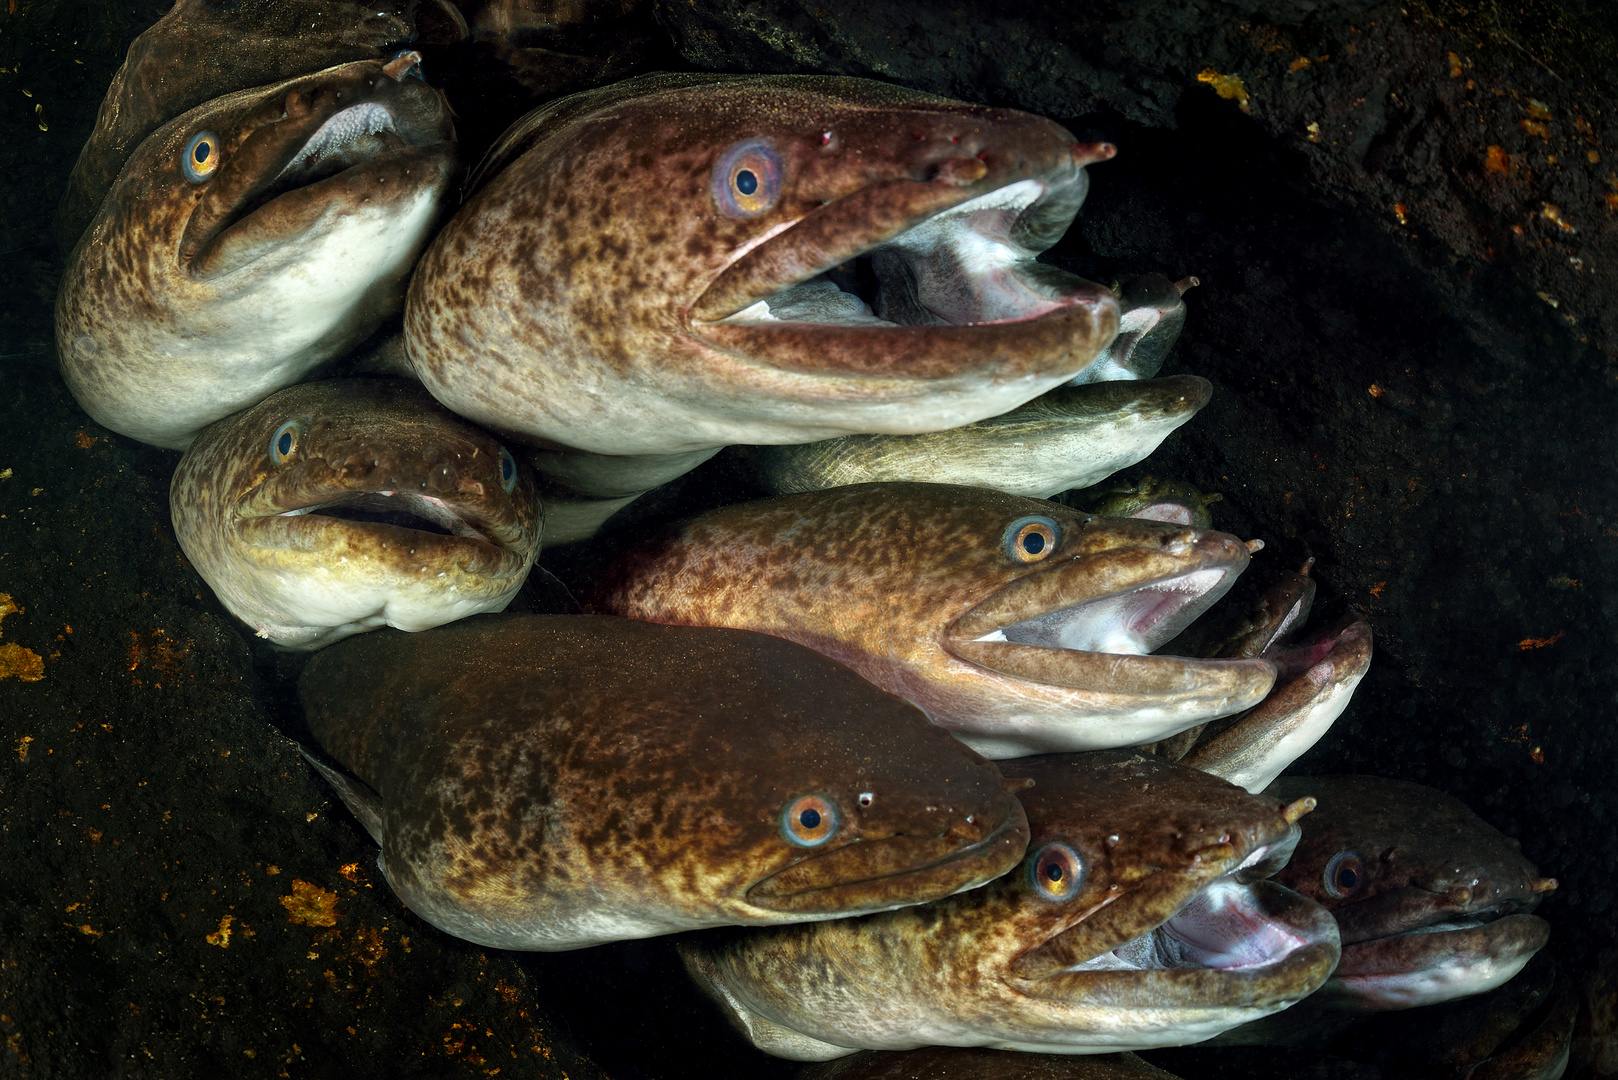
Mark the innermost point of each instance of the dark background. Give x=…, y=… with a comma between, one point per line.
x=1415, y=383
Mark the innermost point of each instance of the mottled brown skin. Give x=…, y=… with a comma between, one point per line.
x=188, y=299
x=996, y=967
x=205, y=49
x=897, y=580
x=575, y=299
x=552, y=782
x=1423, y=858
x=967, y=1063
x=309, y=579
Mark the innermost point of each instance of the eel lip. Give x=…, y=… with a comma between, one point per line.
x=934, y=277
x=1259, y=946
x=860, y=877
x=1439, y=962
x=1089, y=622
x=399, y=517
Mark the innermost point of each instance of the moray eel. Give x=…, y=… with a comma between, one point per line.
x=248, y=241
x=1315, y=682
x=337, y=507
x=1138, y=918
x=1070, y=437
x=1433, y=903
x=1152, y=317
x=971, y=1063
x=681, y=262
x=553, y=782
x=1151, y=499
x=205, y=49
x=1023, y=626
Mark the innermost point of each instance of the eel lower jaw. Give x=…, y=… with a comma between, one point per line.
x=1103, y=642
x=952, y=292
x=1457, y=958
x=1247, y=946
x=876, y=875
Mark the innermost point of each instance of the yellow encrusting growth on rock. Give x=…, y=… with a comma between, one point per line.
x=26, y=664
x=310, y=904
x=1228, y=87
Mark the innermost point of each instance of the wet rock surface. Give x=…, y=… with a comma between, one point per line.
x=1393, y=397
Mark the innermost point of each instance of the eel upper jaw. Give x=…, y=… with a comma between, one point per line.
x=943, y=866
x=920, y=267
x=1073, y=639
x=290, y=196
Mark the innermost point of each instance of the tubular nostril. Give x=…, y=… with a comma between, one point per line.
x=959, y=171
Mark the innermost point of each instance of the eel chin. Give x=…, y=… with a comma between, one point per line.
x=1229, y=954
x=1453, y=958
x=1063, y=627
x=876, y=875
x=914, y=279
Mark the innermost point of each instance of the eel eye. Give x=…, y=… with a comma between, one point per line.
x=201, y=157
x=1031, y=539
x=508, y=470
x=1057, y=872
x=284, y=443
x=808, y=821
x=747, y=178
x=1343, y=875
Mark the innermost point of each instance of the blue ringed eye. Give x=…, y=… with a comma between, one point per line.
x=747, y=178
x=808, y=821
x=284, y=443
x=1057, y=872
x=200, y=159
x=1032, y=538
x=508, y=470
x=1343, y=875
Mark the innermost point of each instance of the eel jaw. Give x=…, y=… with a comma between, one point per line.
x=402, y=510
x=1088, y=644
x=400, y=518
x=1443, y=961
x=1231, y=953
x=912, y=279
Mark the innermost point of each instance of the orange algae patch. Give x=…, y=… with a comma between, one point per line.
x=1228, y=87
x=16, y=661
x=310, y=904
x=1496, y=160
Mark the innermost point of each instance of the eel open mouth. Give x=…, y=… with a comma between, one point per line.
x=1255, y=945
x=1080, y=623
x=459, y=521
x=875, y=875
x=376, y=133
x=1456, y=956
x=402, y=510
x=917, y=279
